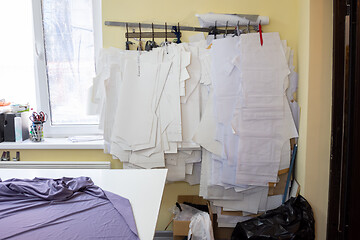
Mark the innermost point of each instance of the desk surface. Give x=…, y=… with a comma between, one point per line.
x=143, y=188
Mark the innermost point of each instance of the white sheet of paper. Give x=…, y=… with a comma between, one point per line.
x=194, y=178
x=274, y=202
x=250, y=203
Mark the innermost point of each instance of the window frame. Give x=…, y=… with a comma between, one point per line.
x=41, y=81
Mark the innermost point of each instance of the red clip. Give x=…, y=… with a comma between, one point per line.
x=260, y=33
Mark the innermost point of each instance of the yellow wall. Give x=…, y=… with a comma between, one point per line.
x=315, y=68
x=317, y=139
x=303, y=88
x=66, y=155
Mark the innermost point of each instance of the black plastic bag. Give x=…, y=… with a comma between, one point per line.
x=293, y=220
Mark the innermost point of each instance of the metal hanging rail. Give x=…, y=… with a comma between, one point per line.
x=156, y=26
x=211, y=30
x=230, y=29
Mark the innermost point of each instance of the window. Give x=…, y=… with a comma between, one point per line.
x=67, y=39
x=17, y=79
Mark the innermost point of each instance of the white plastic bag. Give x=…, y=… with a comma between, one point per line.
x=186, y=213
x=200, y=227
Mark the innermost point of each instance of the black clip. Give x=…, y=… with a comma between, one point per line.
x=213, y=31
x=176, y=31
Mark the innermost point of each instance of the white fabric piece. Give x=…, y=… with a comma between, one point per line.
x=194, y=178
x=200, y=227
x=172, y=159
x=154, y=161
x=172, y=147
x=184, y=63
x=205, y=61
x=262, y=117
x=161, y=138
x=189, y=168
x=190, y=103
x=285, y=156
x=205, y=173
x=136, y=127
x=250, y=203
x=170, y=103
x=258, y=55
x=293, y=78
x=263, y=201
x=176, y=172
x=118, y=152
x=220, y=193
x=226, y=78
x=190, y=114
x=205, y=134
x=295, y=110
x=194, y=157
x=274, y=202
x=149, y=153
x=106, y=85
x=193, y=69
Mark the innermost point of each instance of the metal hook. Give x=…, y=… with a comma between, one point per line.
x=166, y=33
x=248, y=27
x=152, y=27
x=140, y=31
x=215, y=30
x=226, y=26
x=128, y=43
x=127, y=32
x=238, y=28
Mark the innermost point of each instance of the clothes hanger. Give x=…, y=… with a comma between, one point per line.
x=165, y=43
x=237, y=31
x=140, y=48
x=128, y=43
x=150, y=44
x=226, y=26
x=166, y=40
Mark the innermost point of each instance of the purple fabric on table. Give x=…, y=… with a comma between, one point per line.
x=66, y=208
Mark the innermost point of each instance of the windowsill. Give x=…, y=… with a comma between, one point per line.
x=52, y=143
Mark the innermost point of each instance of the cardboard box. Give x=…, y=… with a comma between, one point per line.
x=181, y=228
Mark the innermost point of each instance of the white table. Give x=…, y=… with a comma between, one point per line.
x=143, y=188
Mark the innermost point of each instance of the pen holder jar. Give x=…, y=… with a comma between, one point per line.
x=36, y=132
